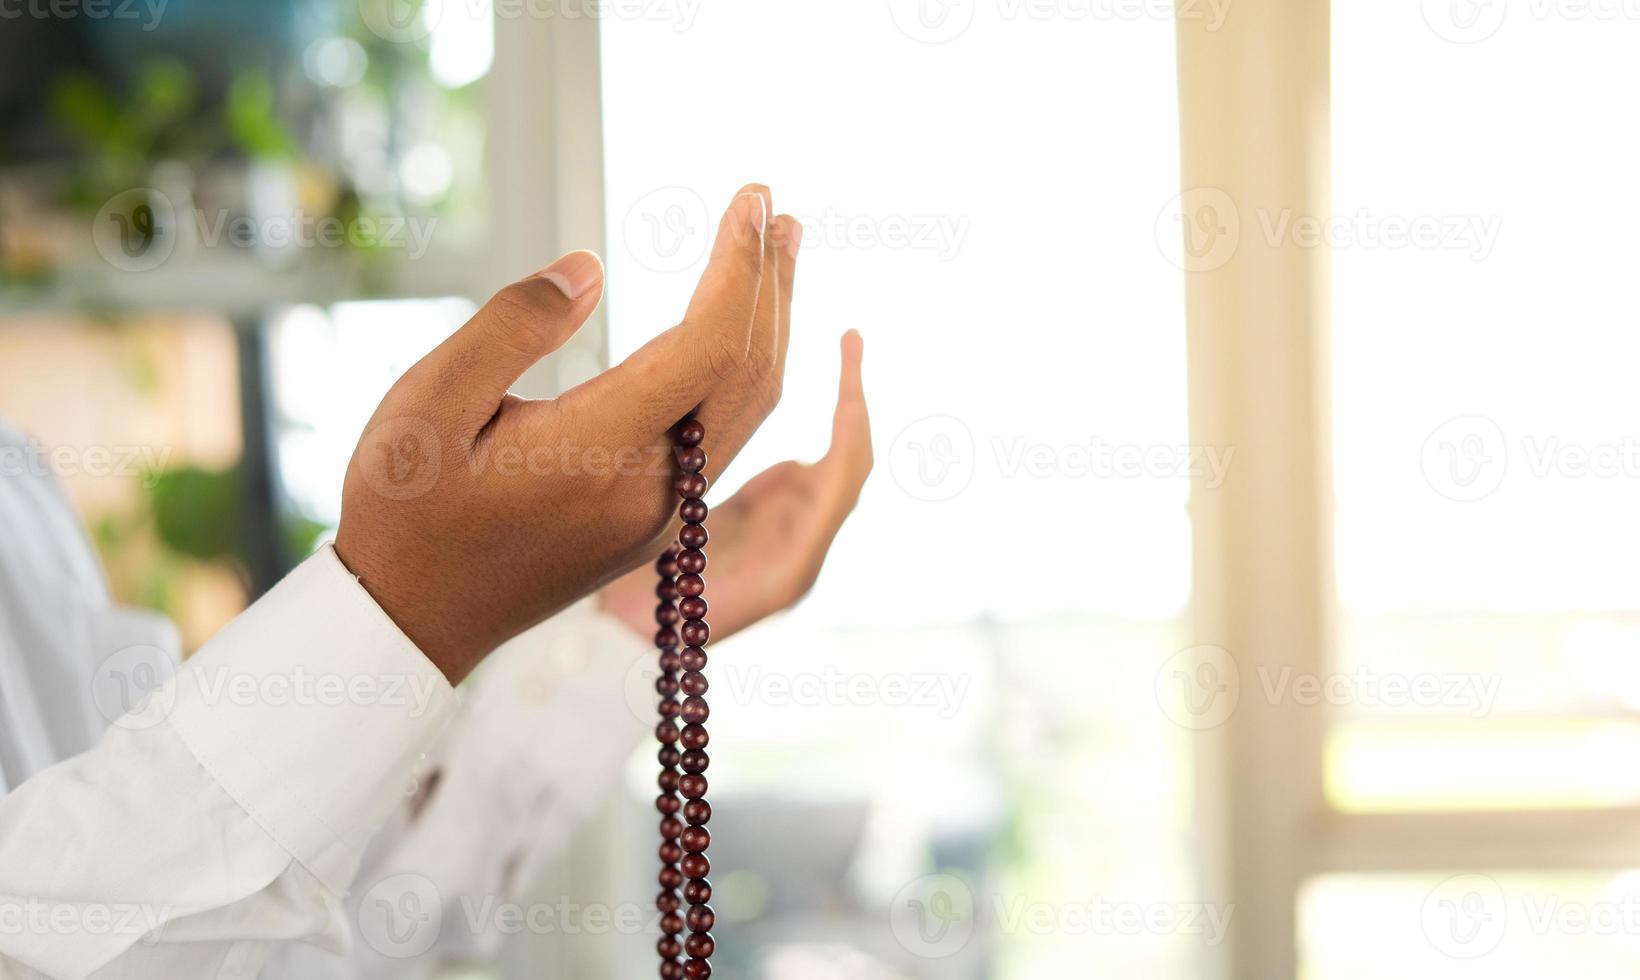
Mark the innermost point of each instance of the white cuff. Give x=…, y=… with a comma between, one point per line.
x=312, y=710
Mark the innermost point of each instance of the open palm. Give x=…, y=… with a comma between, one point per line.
x=770, y=539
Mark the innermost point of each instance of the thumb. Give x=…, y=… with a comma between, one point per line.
x=470, y=372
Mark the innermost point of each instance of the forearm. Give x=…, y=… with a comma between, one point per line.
x=230, y=812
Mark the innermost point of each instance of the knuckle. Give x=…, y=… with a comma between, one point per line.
x=725, y=353
x=522, y=311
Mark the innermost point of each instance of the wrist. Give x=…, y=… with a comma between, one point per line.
x=419, y=618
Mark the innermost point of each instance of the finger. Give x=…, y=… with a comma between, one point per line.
x=733, y=411
x=791, y=240
x=469, y=373
x=672, y=374
x=850, y=454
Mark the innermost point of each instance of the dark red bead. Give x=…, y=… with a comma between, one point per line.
x=668, y=780
x=670, y=877
x=701, y=918
x=690, y=433
x=666, y=731
x=690, y=486
x=694, y=607
x=671, y=826
x=694, y=737
x=668, y=708
x=699, y=944
x=695, y=839
x=667, y=614
x=671, y=923
x=671, y=851
x=693, y=786
x=694, y=712
x=666, y=638
x=695, y=760
x=697, y=891
x=667, y=756
x=671, y=970
x=668, y=803
x=692, y=511
x=666, y=589
x=697, y=970
x=697, y=812
x=668, y=947
x=667, y=563
x=690, y=585
x=693, y=536
x=666, y=686
x=691, y=459
x=695, y=866
x=692, y=562
x=670, y=661
x=693, y=682
x=667, y=901
x=692, y=658
x=696, y=631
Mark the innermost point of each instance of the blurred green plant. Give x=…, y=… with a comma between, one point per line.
x=196, y=514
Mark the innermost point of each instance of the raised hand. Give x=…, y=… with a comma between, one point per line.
x=770, y=539
x=471, y=514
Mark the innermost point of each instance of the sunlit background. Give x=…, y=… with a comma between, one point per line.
x=978, y=706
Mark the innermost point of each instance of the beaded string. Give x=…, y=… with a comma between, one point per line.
x=683, y=848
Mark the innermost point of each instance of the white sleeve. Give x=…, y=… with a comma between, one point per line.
x=545, y=729
x=230, y=811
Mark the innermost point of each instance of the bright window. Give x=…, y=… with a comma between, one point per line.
x=972, y=207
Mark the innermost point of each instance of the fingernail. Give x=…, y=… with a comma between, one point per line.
x=574, y=273
x=751, y=216
x=794, y=236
